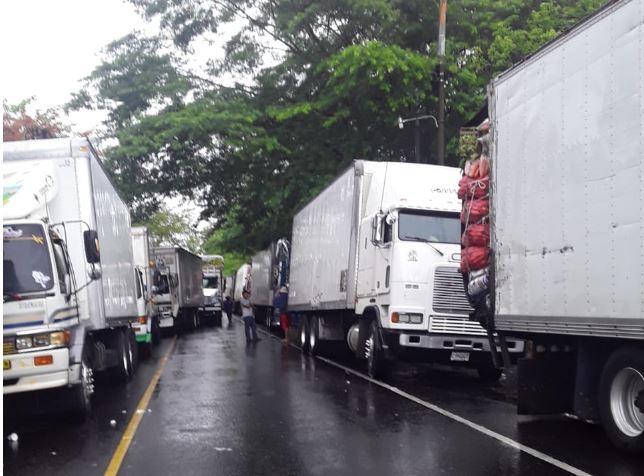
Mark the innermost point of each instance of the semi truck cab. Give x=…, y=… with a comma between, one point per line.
x=408, y=275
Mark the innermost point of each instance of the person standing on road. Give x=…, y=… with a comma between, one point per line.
x=228, y=309
x=249, y=318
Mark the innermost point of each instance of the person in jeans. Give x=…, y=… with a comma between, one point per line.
x=249, y=318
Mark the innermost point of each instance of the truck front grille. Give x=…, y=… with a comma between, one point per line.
x=449, y=294
x=455, y=325
x=8, y=346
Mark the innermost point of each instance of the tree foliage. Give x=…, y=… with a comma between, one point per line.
x=315, y=85
x=173, y=229
x=17, y=124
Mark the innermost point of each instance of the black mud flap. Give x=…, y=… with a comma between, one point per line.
x=546, y=384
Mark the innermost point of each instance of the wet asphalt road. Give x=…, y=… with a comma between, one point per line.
x=222, y=407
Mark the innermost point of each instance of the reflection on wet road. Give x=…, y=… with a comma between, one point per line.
x=222, y=407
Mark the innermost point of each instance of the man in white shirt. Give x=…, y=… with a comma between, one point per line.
x=248, y=317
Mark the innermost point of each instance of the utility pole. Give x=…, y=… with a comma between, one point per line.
x=440, y=140
x=419, y=160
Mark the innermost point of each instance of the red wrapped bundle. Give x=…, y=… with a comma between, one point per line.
x=474, y=258
x=475, y=210
x=476, y=235
x=469, y=188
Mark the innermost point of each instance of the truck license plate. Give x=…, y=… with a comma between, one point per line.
x=6, y=364
x=460, y=357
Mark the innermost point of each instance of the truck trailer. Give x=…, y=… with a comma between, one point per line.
x=567, y=221
x=375, y=261
x=269, y=274
x=178, y=287
x=68, y=302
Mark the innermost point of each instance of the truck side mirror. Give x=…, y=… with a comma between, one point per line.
x=376, y=229
x=92, y=248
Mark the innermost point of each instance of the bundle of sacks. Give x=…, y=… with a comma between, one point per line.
x=473, y=190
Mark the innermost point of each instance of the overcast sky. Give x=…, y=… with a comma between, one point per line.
x=49, y=45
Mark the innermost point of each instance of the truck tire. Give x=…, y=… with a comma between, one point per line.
x=81, y=394
x=304, y=334
x=134, y=349
x=314, y=335
x=156, y=331
x=374, y=353
x=268, y=319
x=621, y=399
x=488, y=372
x=195, y=320
x=123, y=370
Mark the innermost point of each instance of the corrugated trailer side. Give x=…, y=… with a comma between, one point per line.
x=117, y=262
x=190, y=278
x=568, y=174
x=568, y=221
x=323, y=245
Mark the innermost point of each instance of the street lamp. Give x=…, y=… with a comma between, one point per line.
x=417, y=119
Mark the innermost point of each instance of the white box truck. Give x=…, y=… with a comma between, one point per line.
x=269, y=273
x=68, y=302
x=178, y=287
x=375, y=260
x=212, y=267
x=146, y=329
x=567, y=221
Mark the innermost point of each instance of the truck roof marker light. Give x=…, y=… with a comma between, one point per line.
x=44, y=360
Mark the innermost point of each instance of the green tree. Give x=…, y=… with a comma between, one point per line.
x=320, y=83
x=169, y=228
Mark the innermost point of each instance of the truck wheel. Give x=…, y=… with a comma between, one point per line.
x=81, y=394
x=268, y=320
x=314, y=335
x=621, y=399
x=134, y=349
x=156, y=331
x=304, y=334
x=374, y=353
x=489, y=373
x=123, y=370
x=195, y=319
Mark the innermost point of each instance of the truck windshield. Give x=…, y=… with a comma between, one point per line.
x=161, y=282
x=433, y=227
x=211, y=282
x=26, y=263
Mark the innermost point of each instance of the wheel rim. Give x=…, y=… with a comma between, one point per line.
x=87, y=382
x=624, y=391
x=312, y=336
x=126, y=353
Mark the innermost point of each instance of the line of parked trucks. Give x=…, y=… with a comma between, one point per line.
x=83, y=290
x=374, y=257
x=373, y=260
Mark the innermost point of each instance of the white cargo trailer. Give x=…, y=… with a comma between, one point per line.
x=567, y=214
x=269, y=274
x=375, y=260
x=67, y=307
x=178, y=287
x=146, y=328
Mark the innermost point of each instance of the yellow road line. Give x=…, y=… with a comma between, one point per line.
x=130, y=431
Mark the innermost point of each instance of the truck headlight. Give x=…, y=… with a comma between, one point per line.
x=41, y=340
x=406, y=318
x=24, y=342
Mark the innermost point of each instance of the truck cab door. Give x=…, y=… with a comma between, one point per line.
x=382, y=257
x=366, y=257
